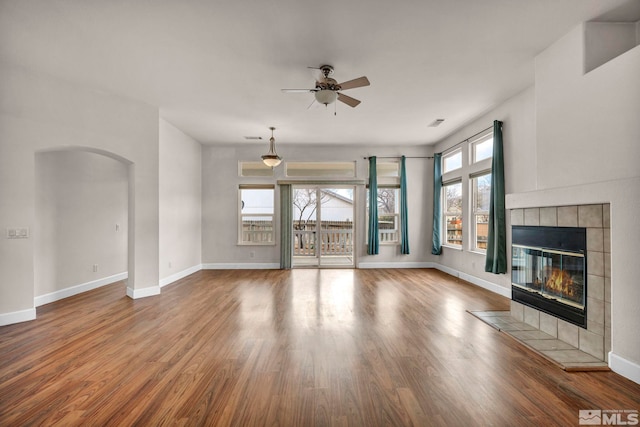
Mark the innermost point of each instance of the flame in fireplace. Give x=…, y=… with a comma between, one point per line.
x=561, y=282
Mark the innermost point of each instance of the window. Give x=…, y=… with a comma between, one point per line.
x=482, y=147
x=256, y=211
x=254, y=169
x=452, y=198
x=389, y=215
x=466, y=193
x=481, y=190
x=452, y=161
x=388, y=174
x=321, y=169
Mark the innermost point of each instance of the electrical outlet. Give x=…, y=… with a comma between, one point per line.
x=95, y=268
x=252, y=254
x=17, y=233
x=117, y=227
x=169, y=264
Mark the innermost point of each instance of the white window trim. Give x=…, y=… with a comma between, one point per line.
x=396, y=215
x=473, y=212
x=240, y=215
x=323, y=173
x=465, y=174
x=269, y=173
x=443, y=224
x=451, y=153
x=473, y=142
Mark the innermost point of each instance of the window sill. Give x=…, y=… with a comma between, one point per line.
x=255, y=244
x=455, y=248
x=477, y=252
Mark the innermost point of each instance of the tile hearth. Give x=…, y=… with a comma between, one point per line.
x=557, y=351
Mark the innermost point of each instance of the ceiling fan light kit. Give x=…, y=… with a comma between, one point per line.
x=272, y=159
x=328, y=90
x=326, y=96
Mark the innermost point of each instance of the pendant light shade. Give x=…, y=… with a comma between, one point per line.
x=272, y=159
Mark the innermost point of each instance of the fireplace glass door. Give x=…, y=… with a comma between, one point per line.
x=552, y=274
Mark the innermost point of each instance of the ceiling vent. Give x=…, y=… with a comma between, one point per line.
x=436, y=123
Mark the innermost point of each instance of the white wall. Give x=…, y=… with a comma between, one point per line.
x=573, y=139
x=39, y=112
x=220, y=192
x=81, y=216
x=590, y=124
x=180, y=203
x=587, y=124
x=519, y=144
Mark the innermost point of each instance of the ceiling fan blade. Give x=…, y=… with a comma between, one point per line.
x=311, y=105
x=352, y=84
x=351, y=102
x=298, y=90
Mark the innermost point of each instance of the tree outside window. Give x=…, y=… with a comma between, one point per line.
x=481, y=188
x=453, y=213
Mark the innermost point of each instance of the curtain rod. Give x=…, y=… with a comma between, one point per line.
x=398, y=157
x=465, y=140
x=431, y=157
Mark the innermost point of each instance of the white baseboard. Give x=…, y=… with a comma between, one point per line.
x=17, y=316
x=505, y=292
x=143, y=293
x=366, y=265
x=241, y=266
x=500, y=290
x=624, y=367
x=78, y=289
x=177, y=276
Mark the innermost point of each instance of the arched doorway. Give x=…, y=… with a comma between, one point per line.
x=82, y=237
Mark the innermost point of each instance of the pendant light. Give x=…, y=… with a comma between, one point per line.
x=272, y=159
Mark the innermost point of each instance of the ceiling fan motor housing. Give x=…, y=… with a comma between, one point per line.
x=327, y=90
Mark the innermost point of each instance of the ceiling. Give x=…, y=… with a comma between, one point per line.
x=214, y=68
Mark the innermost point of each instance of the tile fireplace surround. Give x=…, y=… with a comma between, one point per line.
x=596, y=338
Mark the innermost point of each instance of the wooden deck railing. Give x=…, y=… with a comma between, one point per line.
x=258, y=231
x=332, y=242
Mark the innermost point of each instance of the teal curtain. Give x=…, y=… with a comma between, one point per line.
x=373, y=244
x=436, y=240
x=496, y=261
x=286, y=218
x=404, y=215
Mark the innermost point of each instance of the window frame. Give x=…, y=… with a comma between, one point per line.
x=475, y=212
x=386, y=182
x=450, y=154
x=477, y=141
x=395, y=231
x=446, y=213
x=470, y=168
x=240, y=216
x=320, y=169
x=245, y=168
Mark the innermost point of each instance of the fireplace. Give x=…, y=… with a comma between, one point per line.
x=548, y=270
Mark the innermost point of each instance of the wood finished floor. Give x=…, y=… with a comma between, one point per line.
x=291, y=348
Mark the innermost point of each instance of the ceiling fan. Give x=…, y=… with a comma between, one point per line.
x=327, y=89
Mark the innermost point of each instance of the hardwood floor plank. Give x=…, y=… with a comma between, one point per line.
x=279, y=348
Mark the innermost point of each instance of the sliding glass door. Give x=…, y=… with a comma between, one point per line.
x=323, y=231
